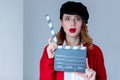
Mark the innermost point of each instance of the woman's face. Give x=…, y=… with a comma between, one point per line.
x=71, y=24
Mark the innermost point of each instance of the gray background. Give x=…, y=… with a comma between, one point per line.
x=24, y=33
x=11, y=39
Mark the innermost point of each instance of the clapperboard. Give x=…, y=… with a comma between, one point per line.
x=68, y=58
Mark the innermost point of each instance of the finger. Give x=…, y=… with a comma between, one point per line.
x=50, y=52
x=88, y=73
x=87, y=65
x=93, y=76
x=55, y=45
x=50, y=40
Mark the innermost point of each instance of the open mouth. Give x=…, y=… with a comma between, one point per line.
x=72, y=30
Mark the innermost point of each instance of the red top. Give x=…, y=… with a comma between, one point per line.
x=95, y=61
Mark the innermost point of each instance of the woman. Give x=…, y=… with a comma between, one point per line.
x=73, y=32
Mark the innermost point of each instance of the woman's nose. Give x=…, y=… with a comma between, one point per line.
x=73, y=22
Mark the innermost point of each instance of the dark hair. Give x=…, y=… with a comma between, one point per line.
x=78, y=8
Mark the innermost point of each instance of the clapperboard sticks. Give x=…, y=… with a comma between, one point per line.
x=51, y=28
x=55, y=39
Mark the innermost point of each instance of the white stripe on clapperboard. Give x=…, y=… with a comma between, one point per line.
x=55, y=39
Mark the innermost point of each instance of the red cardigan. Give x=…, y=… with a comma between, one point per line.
x=95, y=61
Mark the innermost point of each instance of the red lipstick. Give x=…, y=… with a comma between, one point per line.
x=72, y=30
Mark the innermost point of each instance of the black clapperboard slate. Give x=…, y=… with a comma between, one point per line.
x=70, y=60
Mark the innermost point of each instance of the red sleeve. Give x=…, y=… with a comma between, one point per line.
x=46, y=67
x=100, y=67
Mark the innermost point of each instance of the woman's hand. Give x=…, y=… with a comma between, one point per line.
x=51, y=48
x=89, y=74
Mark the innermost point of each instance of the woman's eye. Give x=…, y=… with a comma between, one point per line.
x=78, y=18
x=67, y=18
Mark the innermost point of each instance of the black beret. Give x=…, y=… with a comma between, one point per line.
x=77, y=8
